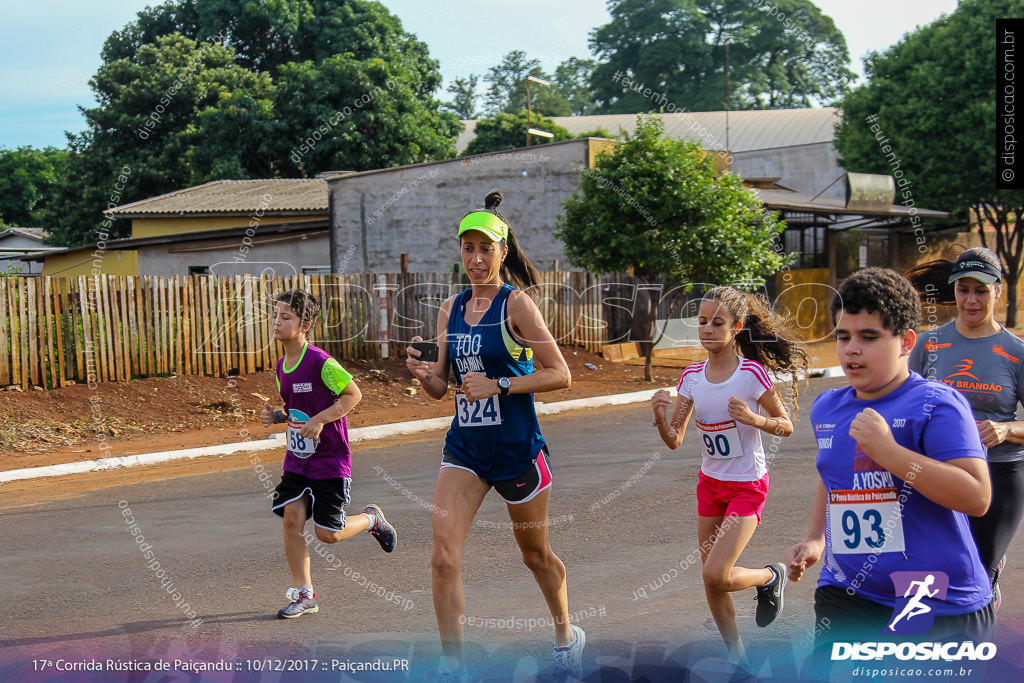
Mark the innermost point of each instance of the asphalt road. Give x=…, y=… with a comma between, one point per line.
x=76, y=585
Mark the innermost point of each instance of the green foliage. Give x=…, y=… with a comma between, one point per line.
x=506, y=131
x=27, y=180
x=792, y=57
x=932, y=102
x=464, y=97
x=656, y=206
x=200, y=90
x=936, y=84
x=507, y=93
x=572, y=80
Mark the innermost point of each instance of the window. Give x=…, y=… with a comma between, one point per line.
x=199, y=270
x=316, y=270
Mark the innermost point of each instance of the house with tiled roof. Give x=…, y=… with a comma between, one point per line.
x=18, y=243
x=223, y=227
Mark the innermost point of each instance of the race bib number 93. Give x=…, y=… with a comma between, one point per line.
x=865, y=521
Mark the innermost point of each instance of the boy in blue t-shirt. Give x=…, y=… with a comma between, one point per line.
x=901, y=467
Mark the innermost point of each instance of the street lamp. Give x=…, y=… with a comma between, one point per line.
x=529, y=130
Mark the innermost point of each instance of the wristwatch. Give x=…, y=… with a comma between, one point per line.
x=504, y=385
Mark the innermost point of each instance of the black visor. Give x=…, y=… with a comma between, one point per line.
x=977, y=269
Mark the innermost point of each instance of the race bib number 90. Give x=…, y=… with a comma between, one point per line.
x=300, y=446
x=476, y=413
x=865, y=522
x=721, y=440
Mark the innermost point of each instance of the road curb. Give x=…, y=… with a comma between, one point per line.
x=356, y=435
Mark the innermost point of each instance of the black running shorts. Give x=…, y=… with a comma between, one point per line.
x=329, y=498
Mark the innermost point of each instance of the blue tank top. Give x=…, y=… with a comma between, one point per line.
x=499, y=437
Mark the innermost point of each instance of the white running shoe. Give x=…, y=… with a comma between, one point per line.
x=569, y=659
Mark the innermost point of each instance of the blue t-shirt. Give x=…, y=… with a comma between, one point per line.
x=876, y=523
x=499, y=436
x=988, y=371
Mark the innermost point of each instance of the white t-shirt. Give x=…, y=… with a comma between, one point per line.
x=732, y=451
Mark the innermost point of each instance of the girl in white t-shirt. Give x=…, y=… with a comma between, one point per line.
x=725, y=393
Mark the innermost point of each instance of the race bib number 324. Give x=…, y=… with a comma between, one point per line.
x=480, y=413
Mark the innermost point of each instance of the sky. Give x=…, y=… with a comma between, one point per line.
x=49, y=49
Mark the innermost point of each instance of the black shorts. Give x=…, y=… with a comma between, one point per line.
x=523, y=488
x=839, y=616
x=330, y=496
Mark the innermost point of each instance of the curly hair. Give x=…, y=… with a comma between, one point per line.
x=883, y=291
x=766, y=336
x=305, y=305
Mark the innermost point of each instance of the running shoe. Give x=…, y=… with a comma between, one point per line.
x=382, y=530
x=301, y=603
x=769, y=598
x=997, y=597
x=569, y=658
x=443, y=675
x=999, y=571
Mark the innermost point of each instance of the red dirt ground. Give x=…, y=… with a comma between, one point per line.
x=41, y=427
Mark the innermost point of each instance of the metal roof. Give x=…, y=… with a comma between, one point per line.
x=235, y=197
x=787, y=200
x=748, y=130
x=269, y=232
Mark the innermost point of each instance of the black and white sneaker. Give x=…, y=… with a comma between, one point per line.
x=769, y=598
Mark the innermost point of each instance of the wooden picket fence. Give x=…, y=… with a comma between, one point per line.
x=114, y=328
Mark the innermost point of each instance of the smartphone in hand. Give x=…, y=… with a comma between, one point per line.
x=428, y=350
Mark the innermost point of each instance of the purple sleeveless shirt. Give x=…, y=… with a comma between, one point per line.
x=305, y=395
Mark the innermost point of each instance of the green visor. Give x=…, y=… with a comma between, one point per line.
x=487, y=223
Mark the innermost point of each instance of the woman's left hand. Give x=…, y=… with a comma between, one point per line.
x=992, y=433
x=740, y=411
x=477, y=386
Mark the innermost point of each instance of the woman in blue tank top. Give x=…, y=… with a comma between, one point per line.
x=487, y=338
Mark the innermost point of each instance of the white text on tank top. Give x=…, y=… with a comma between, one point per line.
x=731, y=451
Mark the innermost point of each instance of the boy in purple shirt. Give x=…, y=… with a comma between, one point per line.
x=318, y=395
x=901, y=467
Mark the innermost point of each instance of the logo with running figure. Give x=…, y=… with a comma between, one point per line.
x=965, y=367
x=916, y=593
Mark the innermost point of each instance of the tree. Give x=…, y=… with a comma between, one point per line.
x=792, y=57
x=27, y=180
x=287, y=88
x=572, y=80
x=176, y=115
x=464, y=97
x=938, y=84
x=506, y=131
x=507, y=93
x=267, y=35
x=656, y=207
